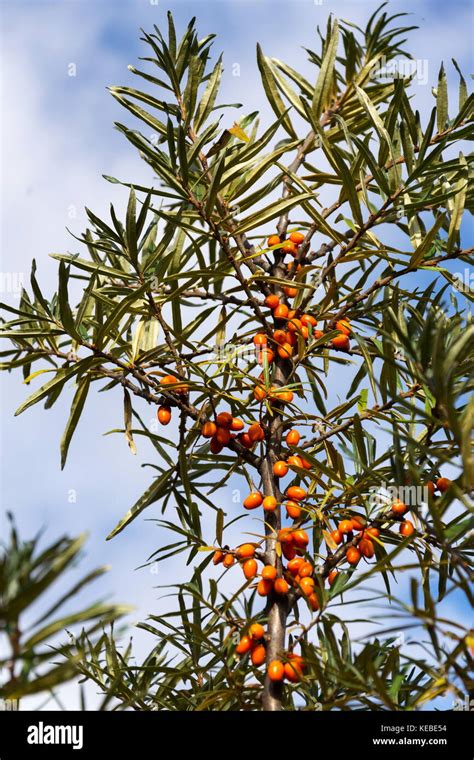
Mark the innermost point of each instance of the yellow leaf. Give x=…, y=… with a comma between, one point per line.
x=329, y=540
x=35, y=374
x=239, y=133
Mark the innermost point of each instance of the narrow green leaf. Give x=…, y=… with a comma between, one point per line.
x=326, y=82
x=76, y=410
x=157, y=489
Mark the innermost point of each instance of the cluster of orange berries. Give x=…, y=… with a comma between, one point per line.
x=175, y=386
x=294, y=494
x=298, y=573
x=244, y=554
x=365, y=545
x=253, y=642
x=260, y=393
x=284, y=341
x=293, y=670
x=365, y=540
x=303, y=325
x=291, y=245
x=227, y=428
x=222, y=431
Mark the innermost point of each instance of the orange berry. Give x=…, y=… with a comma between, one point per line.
x=256, y=432
x=292, y=438
x=253, y=500
x=164, y=414
x=168, y=380
x=245, y=440
x=236, y=424
x=344, y=326
x=290, y=292
x=285, y=536
x=305, y=570
x=279, y=336
x=293, y=509
x=276, y=670
x=345, y=526
x=280, y=469
x=300, y=538
x=216, y=446
x=222, y=435
x=297, y=238
x=266, y=353
x=244, y=645
x=269, y=503
x=307, y=320
x=289, y=551
x=407, y=528
x=305, y=332
x=313, y=601
x=256, y=631
x=372, y=532
x=366, y=548
x=269, y=573
x=224, y=420
x=217, y=557
x=272, y=301
x=250, y=569
x=398, y=507
x=353, y=555
x=358, y=523
x=245, y=551
x=172, y=380
x=273, y=240
x=260, y=339
x=294, y=565
x=332, y=576
x=305, y=463
x=285, y=351
x=285, y=396
x=259, y=393
x=443, y=484
x=336, y=536
x=295, y=461
x=281, y=586
x=317, y=334
x=258, y=655
x=293, y=672
x=291, y=339
x=341, y=342
x=289, y=247
x=296, y=493
x=264, y=587
x=228, y=560
x=307, y=585
x=431, y=487
x=208, y=429
x=281, y=311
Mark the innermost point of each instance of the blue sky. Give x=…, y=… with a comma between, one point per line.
x=57, y=139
